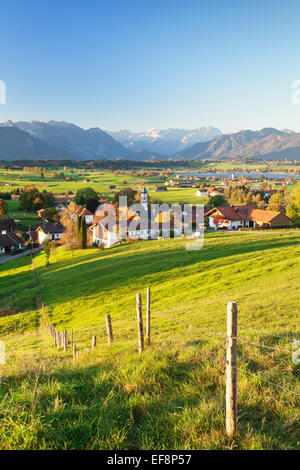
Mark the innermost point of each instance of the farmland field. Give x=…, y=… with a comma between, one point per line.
x=171, y=396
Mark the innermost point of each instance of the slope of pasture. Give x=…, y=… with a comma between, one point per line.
x=79, y=291
x=173, y=395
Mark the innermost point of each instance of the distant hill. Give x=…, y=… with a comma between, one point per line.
x=269, y=143
x=164, y=141
x=52, y=140
x=15, y=143
x=80, y=143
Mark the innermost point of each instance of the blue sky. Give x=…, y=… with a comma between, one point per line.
x=140, y=64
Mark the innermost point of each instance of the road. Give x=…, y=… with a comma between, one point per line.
x=7, y=258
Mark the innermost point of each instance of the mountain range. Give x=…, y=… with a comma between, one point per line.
x=268, y=143
x=54, y=140
x=165, y=141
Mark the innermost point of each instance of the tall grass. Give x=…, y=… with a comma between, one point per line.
x=171, y=396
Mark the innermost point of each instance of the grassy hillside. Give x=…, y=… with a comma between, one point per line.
x=173, y=395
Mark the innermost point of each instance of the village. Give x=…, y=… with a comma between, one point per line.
x=259, y=205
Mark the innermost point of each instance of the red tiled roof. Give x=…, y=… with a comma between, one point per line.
x=80, y=210
x=234, y=213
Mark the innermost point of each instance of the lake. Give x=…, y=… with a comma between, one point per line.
x=250, y=175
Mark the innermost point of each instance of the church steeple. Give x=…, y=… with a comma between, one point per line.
x=144, y=198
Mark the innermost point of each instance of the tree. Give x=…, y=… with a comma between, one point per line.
x=51, y=214
x=3, y=208
x=47, y=249
x=32, y=200
x=54, y=250
x=83, y=194
x=129, y=193
x=218, y=200
x=70, y=238
x=83, y=233
x=293, y=208
x=277, y=200
x=78, y=226
x=92, y=203
x=293, y=213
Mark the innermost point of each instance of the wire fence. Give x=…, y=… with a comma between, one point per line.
x=78, y=339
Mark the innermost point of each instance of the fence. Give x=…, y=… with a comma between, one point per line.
x=64, y=339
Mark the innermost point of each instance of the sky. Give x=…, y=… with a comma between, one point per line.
x=135, y=65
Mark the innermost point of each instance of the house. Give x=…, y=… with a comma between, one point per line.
x=269, y=219
x=216, y=192
x=41, y=212
x=80, y=211
x=10, y=242
x=61, y=202
x=52, y=231
x=230, y=217
x=7, y=226
x=202, y=192
x=236, y=217
x=268, y=193
x=33, y=236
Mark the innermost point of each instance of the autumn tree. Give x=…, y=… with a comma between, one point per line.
x=51, y=214
x=293, y=208
x=70, y=238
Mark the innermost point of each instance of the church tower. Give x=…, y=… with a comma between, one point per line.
x=144, y=198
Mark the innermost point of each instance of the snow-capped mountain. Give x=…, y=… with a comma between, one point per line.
x=164, y=141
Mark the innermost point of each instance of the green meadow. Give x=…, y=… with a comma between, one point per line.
x=100, y=180
x=173, y=395
x=24, y=220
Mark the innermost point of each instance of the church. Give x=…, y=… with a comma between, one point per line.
x=139, y=223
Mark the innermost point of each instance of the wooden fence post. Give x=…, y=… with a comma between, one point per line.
x=109, y=331
x=72, y=338
x=94, y=341
x=148, y=316
x=140, y=323
x=65, y=339
x=58, y=339
x=54, y=339
x=231, y=370
x=74, y=353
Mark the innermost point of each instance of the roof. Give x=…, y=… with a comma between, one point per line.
x=233, y=213
x=10, y=239
x=52, y=228
x=247, y=212
x=265, y=216
x=80, y=210
x=7, y=224
x=144, y=190
x=33, y=235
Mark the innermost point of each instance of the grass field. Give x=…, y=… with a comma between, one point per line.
x=101, y=180
x=24, y=219
x=172, y=396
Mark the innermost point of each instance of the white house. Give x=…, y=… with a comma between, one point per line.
x=202, y=192
x=53, y=232
x=80, y=211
